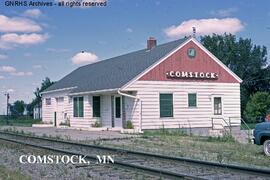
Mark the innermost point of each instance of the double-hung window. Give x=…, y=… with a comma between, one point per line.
x=192, y=100
x=166, y=105
x=217, y=106
x=78, y=106
x=48, y=101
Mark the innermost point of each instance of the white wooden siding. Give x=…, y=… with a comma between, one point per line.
x=132, y=110
x=106, y=110
x=67, y=107
x=48, y=110
x=87, y=120
x=200, y=116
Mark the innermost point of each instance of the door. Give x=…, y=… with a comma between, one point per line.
x=60, y=110
x=117, y=111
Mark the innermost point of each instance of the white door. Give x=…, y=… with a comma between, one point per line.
x=118, y=111
x=60, y=110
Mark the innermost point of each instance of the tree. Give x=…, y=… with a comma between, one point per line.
x=245, y=59
x=44, y=85
x=37, y=100
x=258, y=105
x=17, y=108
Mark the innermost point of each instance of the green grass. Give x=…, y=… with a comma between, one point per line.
x=166, y=132
x=11, y=175
x=250, y=125
x=217, y=149
x=19, y=122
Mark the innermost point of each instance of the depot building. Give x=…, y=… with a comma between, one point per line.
x=179, y=84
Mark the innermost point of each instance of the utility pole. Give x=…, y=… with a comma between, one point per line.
x=7, y=95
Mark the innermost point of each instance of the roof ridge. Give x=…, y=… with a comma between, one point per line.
x=115, y=57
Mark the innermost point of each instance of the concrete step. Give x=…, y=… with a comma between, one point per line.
x=216, y=132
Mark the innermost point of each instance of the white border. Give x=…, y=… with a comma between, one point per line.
x=56, y=90
x=217, y=60
x=92, y=92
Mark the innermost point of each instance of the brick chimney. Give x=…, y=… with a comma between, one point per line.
x=151, y=43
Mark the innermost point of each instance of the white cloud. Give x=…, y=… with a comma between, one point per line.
x=8, y=69
x=129, y=30
x=205, y=27
x=10, y=90
x=224, y=12
x=18, y=25
x=13, y=71
x=22, y=73
x=2, y=77
x=3, y=56
x=23, y=38
x=11, y=40
x=32, y=13
x=84, y=58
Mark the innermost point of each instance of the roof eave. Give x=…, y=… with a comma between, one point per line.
x=58, y=90
x=94, y=92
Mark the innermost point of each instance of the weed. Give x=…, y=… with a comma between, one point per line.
x=129, y=125
x=97, y=124
x=225, y=138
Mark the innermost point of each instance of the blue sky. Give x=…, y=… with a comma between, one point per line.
x=39, y=42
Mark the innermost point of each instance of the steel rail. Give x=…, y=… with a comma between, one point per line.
x=153, y=171
x=248, y=170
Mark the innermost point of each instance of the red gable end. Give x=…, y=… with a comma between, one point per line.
x=180, y=62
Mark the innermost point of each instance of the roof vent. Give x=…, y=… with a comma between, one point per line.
x=151, y=43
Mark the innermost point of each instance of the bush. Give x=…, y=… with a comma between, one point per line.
x=97, y=124
x=129, y=125
x=258, y=105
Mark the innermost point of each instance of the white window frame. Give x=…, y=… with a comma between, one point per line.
x=197, y=102
x=222, y=105
x=166, y=92
x=62, y=99
x=83, y=107
x=121, y=115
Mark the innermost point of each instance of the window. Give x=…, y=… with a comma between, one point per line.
x=192, y=100
x=78, y=106
x=217, y=106
x=48, y=101
x=166, y=105
x=118, y=107
x=96, y=106
x=191, y=52
x=60, y=99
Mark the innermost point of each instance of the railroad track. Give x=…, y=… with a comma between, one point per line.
x=160, y=165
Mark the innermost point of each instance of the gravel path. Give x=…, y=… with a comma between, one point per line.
x=72, y=134
x=10, y=154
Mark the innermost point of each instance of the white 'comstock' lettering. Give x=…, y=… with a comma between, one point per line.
x=196, y=75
